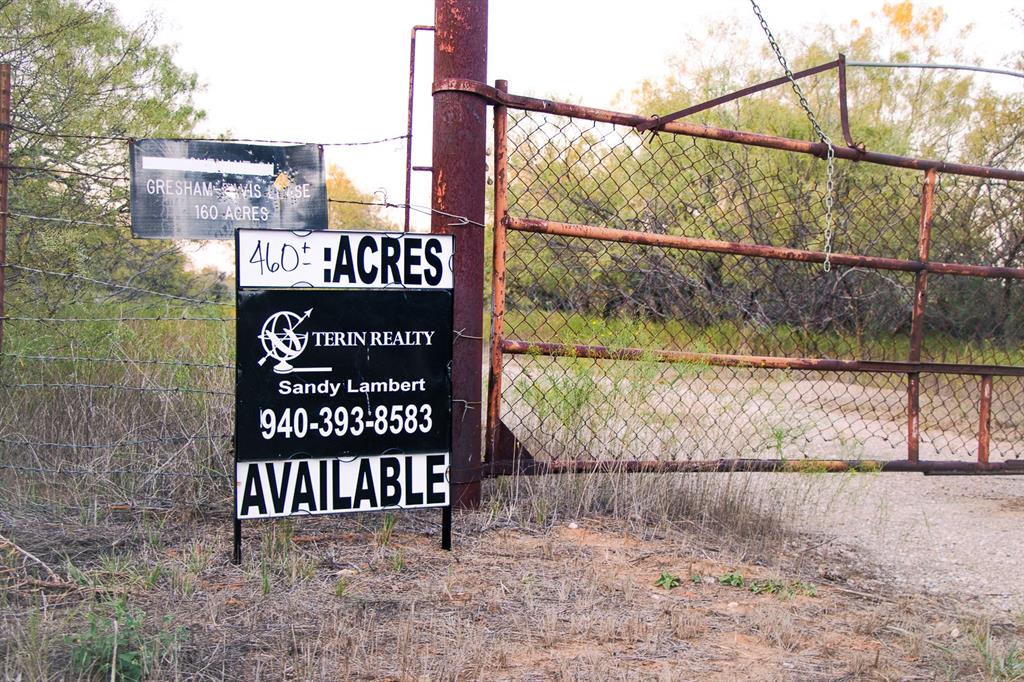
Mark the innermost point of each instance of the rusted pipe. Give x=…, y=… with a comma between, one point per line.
x=749, y=90
x=458, y=188
x=844, y=113
x=818, y=149
x=758, y=250
x=497, y=276
x=519, y=347
x=409, y=168
x=924, y=236
x=914, y=416
x=811, y=466
x=984, y=418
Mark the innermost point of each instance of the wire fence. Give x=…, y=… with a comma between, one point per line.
x=591, y=269
x=117, y=371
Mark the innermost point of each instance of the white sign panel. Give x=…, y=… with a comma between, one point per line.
x=330, y=486
x=344, y=260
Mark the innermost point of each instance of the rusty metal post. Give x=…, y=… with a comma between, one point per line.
x=984, y=418
x=458, y=187
x=924, y=238
x=5, y=167
x=497, y=274
x=408, y=133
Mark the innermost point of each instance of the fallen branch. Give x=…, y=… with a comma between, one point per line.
x=4, y=542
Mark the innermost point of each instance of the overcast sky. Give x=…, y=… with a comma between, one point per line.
x=337, y=71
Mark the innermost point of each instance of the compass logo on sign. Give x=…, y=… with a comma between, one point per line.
x=282, y=343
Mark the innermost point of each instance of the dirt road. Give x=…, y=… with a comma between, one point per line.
x=961, y=535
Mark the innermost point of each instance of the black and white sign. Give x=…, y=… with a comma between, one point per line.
x=344, y=260
x=330, y=486
x=343, y=395
x=198, y=189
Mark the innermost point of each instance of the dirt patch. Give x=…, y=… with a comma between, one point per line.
x=340, y=598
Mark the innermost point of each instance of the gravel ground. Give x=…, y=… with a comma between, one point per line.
x=961, y=535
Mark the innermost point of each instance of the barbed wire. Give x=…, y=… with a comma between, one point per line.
x=115, y=285
x=132, y=138
x=65, y=171
x=126, y=318
x=73, y=221
x=119, y=387
x=425, y=210
x=127, y=361
x=116, y=444
x=115, y=472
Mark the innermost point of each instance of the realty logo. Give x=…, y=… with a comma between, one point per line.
x=282, y=343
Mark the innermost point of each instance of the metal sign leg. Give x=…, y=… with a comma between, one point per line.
x=236, y=554
x=446, y=527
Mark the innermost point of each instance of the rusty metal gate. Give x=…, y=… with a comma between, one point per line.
x=659, y=302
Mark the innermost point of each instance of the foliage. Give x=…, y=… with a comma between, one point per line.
x=116, y=645
x=351, y=216
x=733, y=579
x=80, y=78
x=584, y=173
x=668, y=581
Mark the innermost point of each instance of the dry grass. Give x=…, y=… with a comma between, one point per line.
x=553, y=579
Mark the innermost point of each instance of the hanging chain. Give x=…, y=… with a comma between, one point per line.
x=831, y=154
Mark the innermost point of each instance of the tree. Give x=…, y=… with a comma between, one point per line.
x=589, y=174
x=83, y=83
x=358, y=215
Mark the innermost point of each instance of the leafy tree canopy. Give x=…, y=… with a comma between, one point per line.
x=593, y=174
x=80, y=78
x=358, y=215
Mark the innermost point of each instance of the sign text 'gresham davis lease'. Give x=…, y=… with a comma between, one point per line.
x=325, y=486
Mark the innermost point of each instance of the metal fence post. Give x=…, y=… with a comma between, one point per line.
x=497, y=274
x=5, y=167
x=917, y=317
x=984, y=419
x=408, y=133
x=458, y=187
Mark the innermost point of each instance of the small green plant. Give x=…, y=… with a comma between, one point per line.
x=734, y=579
x=999, y=663
x=115, y=646
x=387, y=529
x=397, y=562
x=767, y=587
x=781, y=588
x=667, y=580
x=341, y=586
x=265, y=577
x=696, y=578
x=153, y=576
x=804, y=589
x=76, y=575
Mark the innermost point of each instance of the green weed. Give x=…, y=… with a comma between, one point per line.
x=668, y=581
x=734, y=579
x=115, y=645
x=387, y=528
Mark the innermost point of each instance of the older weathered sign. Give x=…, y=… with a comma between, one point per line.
x=199, y=189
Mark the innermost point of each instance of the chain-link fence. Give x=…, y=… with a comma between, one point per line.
x=662, y=299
